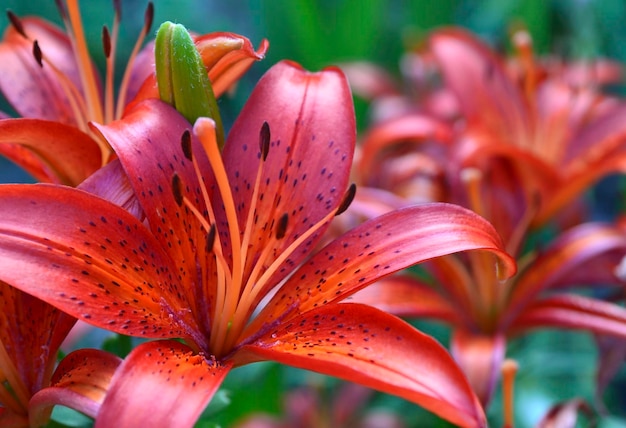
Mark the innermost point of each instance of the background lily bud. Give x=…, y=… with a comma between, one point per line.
x=182, y=78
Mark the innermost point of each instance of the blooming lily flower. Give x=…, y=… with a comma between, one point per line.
x=225, y=258
x=52, y=139
x=526, y=144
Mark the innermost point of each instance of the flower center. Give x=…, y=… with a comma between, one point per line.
x=242, y=280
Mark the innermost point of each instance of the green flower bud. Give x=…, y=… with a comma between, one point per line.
x=182, y=78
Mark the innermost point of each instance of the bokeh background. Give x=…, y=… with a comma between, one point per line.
x=317, y=33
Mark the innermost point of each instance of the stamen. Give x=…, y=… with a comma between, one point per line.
x=264, y=140
x=37, y=54
x=204, y=128
x=117, y=6
x=177, y=190
x=254, y=286
x=185, y=143
x=281, y=228
x=17, y=23
x=62, y=9
x=347, y=199
x=86, y=71
x=121, y=99
x=264, y=146
x=74, y=97
x=106, y=42
x=509, y=370
x=210, y=238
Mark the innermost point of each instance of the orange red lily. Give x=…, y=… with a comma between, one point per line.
x=226, y=256
x=525, y=145
x=52, y=140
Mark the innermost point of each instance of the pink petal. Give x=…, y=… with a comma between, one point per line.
x=480, y=357
x=34, y=91
x=90, y=258
x=80, y=382
x=313, y=134
x=379, y=248
x=161, y=384
x=361, y=344
x=573, y=312
x=54, y=152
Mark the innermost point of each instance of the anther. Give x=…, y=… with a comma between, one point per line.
x=62, y=9
x=37, y=53
x=185, y=143
x=17, y=23
x=264, y=140
x=281, y=227
x=106, y=41
x=117, y=7
x=177, y=190
x=210, y=238
x=347, y=199
x=148, y=16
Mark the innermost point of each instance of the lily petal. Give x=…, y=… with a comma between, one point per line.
x=98, y=262
x=480, y=357
x=80, y=382
x=361, y=344
x=34, y=91
x=408, y=296
x=380, y=247
x=148, y=144
x=60, y=153
x=31, y=332
x=577, y=247
x=574, y=312
x=161, y=384
x=310, y=154
x=481, y=83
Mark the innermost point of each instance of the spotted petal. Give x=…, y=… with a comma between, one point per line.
x=381, y=247
x=313, y=134
x=161, y=384
x=97, y=261
x=80, y=382
x=370, y=347
x=52, y=151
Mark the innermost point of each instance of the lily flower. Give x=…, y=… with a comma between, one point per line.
x=31, y=332
x=225, y=258
x=52, y=140
x=527, y=143
x=548, y=130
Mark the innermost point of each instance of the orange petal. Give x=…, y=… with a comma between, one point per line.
x=361, y=344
